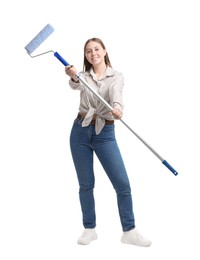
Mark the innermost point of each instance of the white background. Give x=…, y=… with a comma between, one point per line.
x=156, y=46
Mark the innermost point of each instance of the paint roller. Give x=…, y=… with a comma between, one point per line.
x=39, y=39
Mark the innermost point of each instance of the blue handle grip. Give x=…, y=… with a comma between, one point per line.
x=63, y=61
x=169, y=167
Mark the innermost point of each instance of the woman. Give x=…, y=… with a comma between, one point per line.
x=93, y=132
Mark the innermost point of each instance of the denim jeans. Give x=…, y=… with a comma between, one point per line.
x=84, y=143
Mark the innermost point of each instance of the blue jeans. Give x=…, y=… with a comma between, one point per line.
x=84, y=143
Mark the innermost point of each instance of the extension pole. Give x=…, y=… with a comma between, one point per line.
x=65, y=63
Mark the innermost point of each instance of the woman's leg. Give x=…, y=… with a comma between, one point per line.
x=82, y=155
x=106, y=149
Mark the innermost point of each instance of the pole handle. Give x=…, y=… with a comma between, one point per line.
x=61, y=59
x=170, y=167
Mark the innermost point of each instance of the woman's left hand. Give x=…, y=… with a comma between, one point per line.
x=117, y=111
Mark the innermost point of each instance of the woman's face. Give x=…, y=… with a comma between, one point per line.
x=95, y=53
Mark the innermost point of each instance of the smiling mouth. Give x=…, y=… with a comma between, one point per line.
x=95, y=58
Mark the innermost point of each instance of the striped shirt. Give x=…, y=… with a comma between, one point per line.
x=109, y=87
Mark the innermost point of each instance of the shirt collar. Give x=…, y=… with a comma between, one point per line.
x=108, y=73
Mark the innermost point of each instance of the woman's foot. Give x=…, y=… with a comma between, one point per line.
x=133, y=237
x=88, y=235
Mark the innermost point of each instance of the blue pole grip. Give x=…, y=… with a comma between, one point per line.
x=169, y=167
x=63, y=61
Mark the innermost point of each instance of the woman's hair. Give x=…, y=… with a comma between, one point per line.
x=86, y=65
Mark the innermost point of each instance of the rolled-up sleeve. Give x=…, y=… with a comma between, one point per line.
x=76, y=85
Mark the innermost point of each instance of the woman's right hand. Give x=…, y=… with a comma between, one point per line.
x=71, y=72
